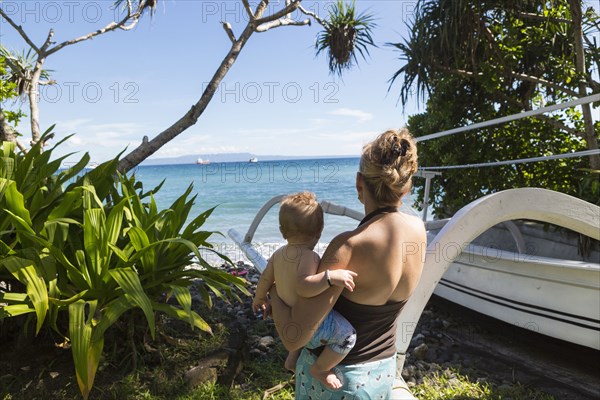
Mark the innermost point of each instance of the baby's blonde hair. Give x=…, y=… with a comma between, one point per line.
x=388, y=164
x=300, y=214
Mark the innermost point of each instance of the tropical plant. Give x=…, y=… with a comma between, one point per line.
x=474, y=61
x=97, y=251
x=8, y=92
x=344, y=35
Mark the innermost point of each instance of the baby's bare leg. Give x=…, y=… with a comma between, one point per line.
x=292, y=358
x=322, y=368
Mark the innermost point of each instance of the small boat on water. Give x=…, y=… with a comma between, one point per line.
x=253, y=160
x=201, y=161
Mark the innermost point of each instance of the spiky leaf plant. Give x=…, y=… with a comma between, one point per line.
x=345, y=34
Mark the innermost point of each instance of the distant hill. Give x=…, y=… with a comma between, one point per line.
x=229, y=157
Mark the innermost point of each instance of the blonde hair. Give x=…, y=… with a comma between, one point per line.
x=388, y=164
x=300, y=214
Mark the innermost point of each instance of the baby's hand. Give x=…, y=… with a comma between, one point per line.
x=260, y=304
x=343, y=278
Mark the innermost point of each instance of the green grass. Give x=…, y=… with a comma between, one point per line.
x=451, y=385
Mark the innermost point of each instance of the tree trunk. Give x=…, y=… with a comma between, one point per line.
x=146, y=149
x=590, y=136
x=33, y=95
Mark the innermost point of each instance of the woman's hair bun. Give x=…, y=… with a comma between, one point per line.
x=388, y=164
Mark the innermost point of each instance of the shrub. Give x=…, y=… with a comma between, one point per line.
x=96, y=250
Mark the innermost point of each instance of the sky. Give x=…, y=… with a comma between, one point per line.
x=277, y=99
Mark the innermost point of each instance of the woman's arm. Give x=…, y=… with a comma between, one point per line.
x=297, y=324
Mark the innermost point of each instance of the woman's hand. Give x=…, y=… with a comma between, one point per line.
x=342, y=278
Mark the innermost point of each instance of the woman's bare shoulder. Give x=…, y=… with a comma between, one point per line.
x=415, y=225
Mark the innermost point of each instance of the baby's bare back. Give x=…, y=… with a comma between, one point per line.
x=286, y=260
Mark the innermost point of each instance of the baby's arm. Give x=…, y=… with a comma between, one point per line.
x=309, y=283
x=265, y=282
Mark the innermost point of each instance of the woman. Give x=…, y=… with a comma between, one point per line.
x=386, y=251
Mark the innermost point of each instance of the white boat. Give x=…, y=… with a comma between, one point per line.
x=201, y=161
x=253, y=160
x=528, y=277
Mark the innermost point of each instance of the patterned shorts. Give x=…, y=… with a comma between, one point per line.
x=366, y=381
x=334, y=332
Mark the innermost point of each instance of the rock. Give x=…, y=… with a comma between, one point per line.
x=408, y=372
x=206, y=370
x=256, y=353
x=266, y=342
x=420, y=351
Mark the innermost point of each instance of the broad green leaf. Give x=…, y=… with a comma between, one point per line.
x=68, y=301
x=75, y=169
x=37, y=291
x=71, y=201
x=120, y=253
x=74, y=274
x=182, y=315
x=114, y=222
x=110, y=313
x=14, y=310
x=86, y=352
x=12, y=297
x=21, y=223
x=129, y=281
x=184, y=298
x=140, y=241
x=95, y=240
x=197, y=222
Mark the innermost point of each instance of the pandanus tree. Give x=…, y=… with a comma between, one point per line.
x=475, y=60
x=346, y=35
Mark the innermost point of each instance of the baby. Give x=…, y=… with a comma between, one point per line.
x=294, y=268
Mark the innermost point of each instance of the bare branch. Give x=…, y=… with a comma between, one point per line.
x=227, y=27
x=281, y=22
x=537, y=17
x=21, y=146
x=260, y=9
x=560, y=125
x=544, y=82
x=46, y=44
x=20, y=30
x=134, y=18
x=523, y=77
x=279, y=14
x=312, y=14
x=249, y=10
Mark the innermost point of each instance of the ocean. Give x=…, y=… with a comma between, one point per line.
x=239, y=190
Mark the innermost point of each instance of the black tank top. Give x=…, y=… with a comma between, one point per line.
x=375, y=329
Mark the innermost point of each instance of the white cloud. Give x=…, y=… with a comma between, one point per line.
x=359, y=115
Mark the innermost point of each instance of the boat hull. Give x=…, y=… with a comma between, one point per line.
x=557, y=298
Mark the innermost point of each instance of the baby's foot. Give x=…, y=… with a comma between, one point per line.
x=290, y=363
x=327, y=378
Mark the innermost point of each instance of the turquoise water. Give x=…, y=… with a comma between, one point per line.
x=240, y=189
